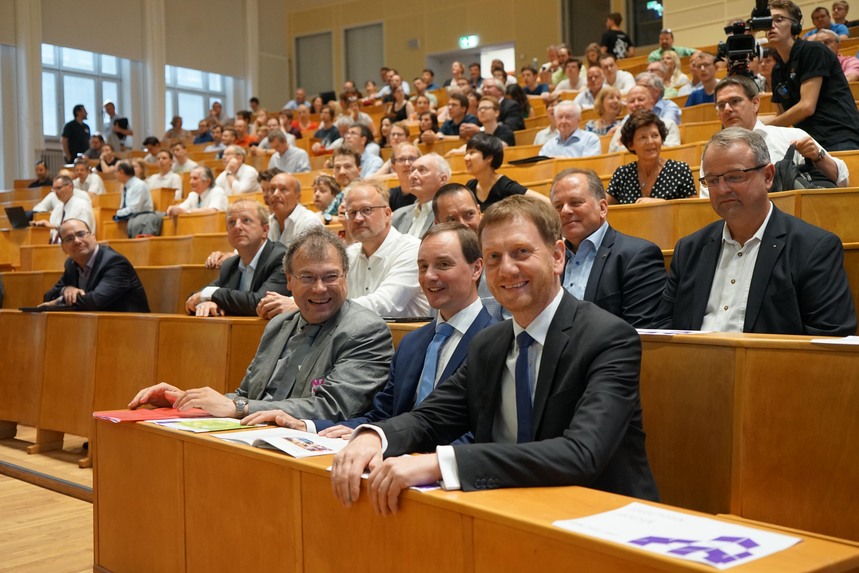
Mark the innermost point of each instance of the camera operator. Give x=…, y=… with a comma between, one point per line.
x=809, y=85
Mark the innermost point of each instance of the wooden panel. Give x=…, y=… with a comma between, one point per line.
x=697, y=131
x=835, y=210
x=135, y=250
x=205, y=244
x=130, y=536
x=22, y=336
x=194, y=223
x=69, y=373
x=42, y=258
x=806, y=450
x=193, y=278
x=245, y=335
x=163, y=288
x=400, y=329
x=691, y=215
x=108, y=229
x=851, y=265
x=851, y=158
x=272, y=539
x=521, y=152
x=192, y=352
x=11, y=241
x=171, y=251
x=601, y=164
x=687, y=400
x=27, y=288
x=651, y=221
x=126, y=358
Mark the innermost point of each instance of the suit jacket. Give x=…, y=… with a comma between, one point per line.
x=347, y=364
x=798, y=285
x=627, y=278
x=401, y=220
x=512, y=115
x=268, y=276
x=587, y=424
x=399, y=393
x=113, y=285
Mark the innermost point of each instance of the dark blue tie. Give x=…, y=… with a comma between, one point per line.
x=442, y=333
x=523, y=389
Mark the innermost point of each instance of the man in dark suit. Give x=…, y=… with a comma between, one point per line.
x=95, y=276
x=761, y=270
x=551, y=396
x=247, y=276
x=324, y=360
x=450, y=266
x=624, y=275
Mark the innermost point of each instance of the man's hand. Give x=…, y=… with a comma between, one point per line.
x=807, y=148
x=41, y=223
x=208, y=308
x=273, y=304
x=206, y=399
x=175, y=211
x=364, y=451
x=214, y=260
x=191, y=303
x=162, y=395
x=232, y=166
x=429, y=136
x=338, y=431
x=278, y=417
x=71, y=294
x=468, y=130
x=54, y=302
x=396, y=474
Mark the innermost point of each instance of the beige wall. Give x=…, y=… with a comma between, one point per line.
x=436, y=25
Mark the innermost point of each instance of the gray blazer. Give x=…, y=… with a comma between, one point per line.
x=347, y=365
x=401, y=220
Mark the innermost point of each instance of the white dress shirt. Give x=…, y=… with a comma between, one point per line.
x=298, y=221
x=169, y=181
x=75, y=208
x=247, y=278
x=246, y=181
x=387, y=281
x=92, y=184
x=211, y=198
x=729, y=293
x=293, y=160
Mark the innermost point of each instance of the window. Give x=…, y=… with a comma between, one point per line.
x=71, y=77
x=190, y=94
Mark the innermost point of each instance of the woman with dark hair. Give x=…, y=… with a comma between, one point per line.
x=484, y=154
x=650, y=178
x=400, y=108
x=384, y=130
x=516, y=93
x=427, y=121
x=316, y=105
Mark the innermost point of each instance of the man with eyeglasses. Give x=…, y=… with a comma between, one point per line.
x=426, y=176
x=404, y=155
x=383, y=270
x=737, y=105
x=450, y=265
x=69, y=207
x=326, y=360
x=237, y=177
x=95, y=277
x=248, y=275
x=809, y=84
x=761, y=270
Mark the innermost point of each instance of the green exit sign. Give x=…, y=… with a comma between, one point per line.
x=466, y=42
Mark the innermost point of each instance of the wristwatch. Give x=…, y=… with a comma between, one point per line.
x=821, y=153
x=240, y=403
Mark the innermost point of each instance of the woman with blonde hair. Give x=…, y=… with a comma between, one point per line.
x=608, y=105
x=675, y=78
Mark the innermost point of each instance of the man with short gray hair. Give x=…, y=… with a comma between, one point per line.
x=758, y=270
x=427, y=175
x=237, y=177
x=289, y=159
x=571, y=141
x=664, y=108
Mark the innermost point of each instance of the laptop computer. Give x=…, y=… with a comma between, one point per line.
x=17, y=217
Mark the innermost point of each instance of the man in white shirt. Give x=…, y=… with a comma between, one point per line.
x=85, y=180
x=359, y=137
x=289, y=217
x=69, y=207
x=255, y=269
x=383, y=272
x=551, y=397
x=428, y=173
x=205, y=196
x=181, y=163
x=596, y=80
x=571, y=141
x=619, y=79
x=288, y=159
x=640, y=98
x=237, y=177
x=165, y=178
x=760, y=269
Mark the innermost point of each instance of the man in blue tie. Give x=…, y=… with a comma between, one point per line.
x=551, y=396
x=449, y=267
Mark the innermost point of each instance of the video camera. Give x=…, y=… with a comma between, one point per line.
x=740, y=47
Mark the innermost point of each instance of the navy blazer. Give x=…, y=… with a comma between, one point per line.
x=268, y=276
x=798, y=286
x=399, y=393
x=113, y=286
x=627, y=278
x=587, y=423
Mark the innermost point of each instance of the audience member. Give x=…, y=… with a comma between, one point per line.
x=346, y=165
x=427, y=174
x=404, y=156
x=664, y=108
x=176, y=131
x=136, y=205
x=849, y=64
x=181, y=162
x=705, y=63
x=237, y=177
x=289, y=218
x=95, y=277
x=608, y=105
x=289, y=159
x=165, y=178
x=68, y=206
x=615, y=41
x=666, y=42
x=640, y=98
x=204, y=197
x=617, y=78
x=726, y=277
x=822, y=21
x=327, y=197
x=595, y=82
x=116, y=128
x=76, y=134
x=96, y=142
x=570, y=141
x=43, y=178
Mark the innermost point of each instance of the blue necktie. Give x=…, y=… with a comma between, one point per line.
x=523, y=389
x=442, y=333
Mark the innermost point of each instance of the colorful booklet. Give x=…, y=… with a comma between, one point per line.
x=202, y=424
x=293, y=442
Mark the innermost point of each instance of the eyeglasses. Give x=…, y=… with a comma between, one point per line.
x=60, y=188
x=404, y=160
x=734, y=102
x=779, y=20
x=363, y=211
x=310, y=280
x=735, y=177
x=77, y=235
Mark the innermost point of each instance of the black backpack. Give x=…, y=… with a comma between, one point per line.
x=789, y=175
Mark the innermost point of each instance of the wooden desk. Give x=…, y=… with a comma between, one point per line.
x=186, y=494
